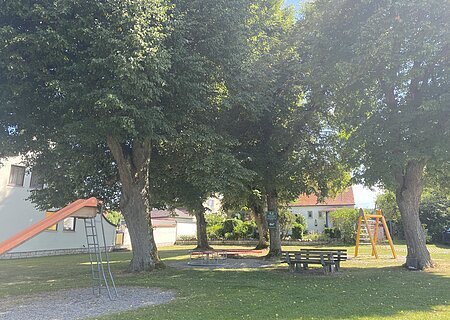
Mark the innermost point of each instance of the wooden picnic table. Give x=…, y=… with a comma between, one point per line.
x=330, y=259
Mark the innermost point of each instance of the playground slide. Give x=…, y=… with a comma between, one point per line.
x=49, y=221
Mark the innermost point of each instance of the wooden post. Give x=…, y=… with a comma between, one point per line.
x=358, y=234
x=375, y=236
x=374, y=249
x=388, y=236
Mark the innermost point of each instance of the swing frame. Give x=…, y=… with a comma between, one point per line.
x=373, y=238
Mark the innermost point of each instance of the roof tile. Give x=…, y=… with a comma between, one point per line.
x=345, y=198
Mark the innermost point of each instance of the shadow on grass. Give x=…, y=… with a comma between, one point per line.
x=442, y=246
x=355, y=292
x=269, y=294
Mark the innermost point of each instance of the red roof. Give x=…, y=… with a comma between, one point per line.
x=343, y=199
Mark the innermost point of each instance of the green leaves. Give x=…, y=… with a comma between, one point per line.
x=383, y=68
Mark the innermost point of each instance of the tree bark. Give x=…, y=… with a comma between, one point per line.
x=137, y=216
x=274, y=234
x=133, y=165
x=408, y=193
x=261, y=223
x=202, y=238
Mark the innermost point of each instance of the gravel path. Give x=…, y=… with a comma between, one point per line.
x=79, y=303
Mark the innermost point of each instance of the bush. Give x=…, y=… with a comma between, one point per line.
x=114, y=217
x=287, y=220
x=215, y=232
x=214, y=226
x=252, y=230
x=297, y=231
x=333, y=233
x=345, y=220
x=228, y=226
x=435, y=215
x=300, y=219
x=240, y=229
x=316, y=237
x=235, y=229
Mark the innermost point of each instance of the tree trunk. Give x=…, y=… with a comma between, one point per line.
x=408, y=193
x=202, y=238
x=274, y=234
x=133, y=165
x=263, y=232
x=136, y=213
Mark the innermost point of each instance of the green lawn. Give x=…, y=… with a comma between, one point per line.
x=365, y=288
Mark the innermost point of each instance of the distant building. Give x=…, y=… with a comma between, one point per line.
x=17, y=213
x=168, y=226
x=213, y=204
x=317, y=214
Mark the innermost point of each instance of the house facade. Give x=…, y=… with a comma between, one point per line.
x=17, y=213
x=317, y=214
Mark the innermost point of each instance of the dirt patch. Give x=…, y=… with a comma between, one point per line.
x=226, y=264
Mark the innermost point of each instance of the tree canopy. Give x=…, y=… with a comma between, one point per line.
x=383, y=68
x=76, y=76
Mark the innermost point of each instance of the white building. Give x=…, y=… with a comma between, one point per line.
x=317, y=214
x=17, y=213
x=213, y=204
x=168, y=226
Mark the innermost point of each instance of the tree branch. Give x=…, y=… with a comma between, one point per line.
x=140, y=156
x=119, y=157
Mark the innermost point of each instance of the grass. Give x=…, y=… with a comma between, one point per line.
x=365, y=288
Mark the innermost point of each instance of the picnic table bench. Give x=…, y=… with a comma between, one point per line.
x=330, y=259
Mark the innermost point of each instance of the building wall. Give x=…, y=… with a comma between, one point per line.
x=165, y=236
x=316, y=216
x=186, y=228
x=17, y=213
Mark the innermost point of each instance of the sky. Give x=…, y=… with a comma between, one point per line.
x=296, y=3
x=365, y=197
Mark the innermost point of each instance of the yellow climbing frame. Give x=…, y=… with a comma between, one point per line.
x=373, y=238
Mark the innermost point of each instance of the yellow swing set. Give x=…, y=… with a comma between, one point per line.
x=373, y=237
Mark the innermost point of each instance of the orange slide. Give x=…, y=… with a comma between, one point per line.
x=79, y=208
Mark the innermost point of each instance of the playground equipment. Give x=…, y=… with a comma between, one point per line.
x=86, y=209
x=372, y=231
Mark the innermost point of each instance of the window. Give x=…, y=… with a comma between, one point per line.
x=36, y=181
x=310, y=214
x=69, y=224
x=53, y=227
x=16, y=176
x=320, y=214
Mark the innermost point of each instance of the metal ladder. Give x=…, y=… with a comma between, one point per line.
x=99, y=276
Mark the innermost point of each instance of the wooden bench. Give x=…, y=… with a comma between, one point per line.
x=330, y=259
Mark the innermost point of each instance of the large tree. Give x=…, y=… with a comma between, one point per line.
x=282, y=132
x=85, y=78
x=252, y=200
x=383, y=67
x=195, y=162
